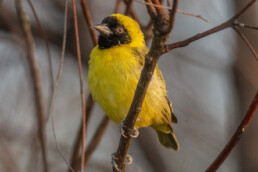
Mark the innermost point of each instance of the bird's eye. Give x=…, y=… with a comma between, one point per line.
x=120, y=30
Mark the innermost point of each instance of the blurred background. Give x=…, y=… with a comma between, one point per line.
x=210, y=82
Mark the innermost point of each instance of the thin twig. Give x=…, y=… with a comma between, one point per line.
x=77, y=144
x=128, y=6
x=178, y=11
x=236, y=137
x=130, y=10
x=81, y=81
x=96, y=138
x=45, y=38
x=118, y=6
x=246, y=42
x=157, y=5
x=151, y=60
x=30, y=49
x=210, y=31
x=193, y=15
x=236, y=23
x=89, y=21
x=58, y=78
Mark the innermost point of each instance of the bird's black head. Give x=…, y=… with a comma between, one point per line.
x=112, y=33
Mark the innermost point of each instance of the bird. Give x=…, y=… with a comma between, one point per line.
x=115, y=67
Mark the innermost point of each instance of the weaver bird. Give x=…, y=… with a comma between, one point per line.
x=114, y=70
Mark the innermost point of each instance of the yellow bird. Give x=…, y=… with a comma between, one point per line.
x=114, y=70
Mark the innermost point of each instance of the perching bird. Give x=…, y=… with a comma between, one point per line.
x=114, y=70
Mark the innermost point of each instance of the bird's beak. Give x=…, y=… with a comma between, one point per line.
x=103, y=29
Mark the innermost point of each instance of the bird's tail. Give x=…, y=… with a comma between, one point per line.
x=168, y=140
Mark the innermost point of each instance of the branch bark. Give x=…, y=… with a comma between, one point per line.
x=30, y=49
x=81, y=81
x=236, y=137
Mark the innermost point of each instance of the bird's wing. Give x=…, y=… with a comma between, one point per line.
x=139, y=54
x=173, y=117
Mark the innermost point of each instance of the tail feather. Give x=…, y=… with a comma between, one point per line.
x=168, y=140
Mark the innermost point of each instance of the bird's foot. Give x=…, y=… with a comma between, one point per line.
x=134, y=133
x=113, y=161
x=129, y=160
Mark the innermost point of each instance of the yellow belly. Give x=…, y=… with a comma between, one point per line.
x=113, y=77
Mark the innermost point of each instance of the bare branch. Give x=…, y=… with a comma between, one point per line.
x=236, y=137
x=151, y=60
x=58, y=78
x=128, y=6
x=45, y=38
x=118, y=6
x=208, y=32
x=81, y=81
x=89, y=21
x=246, y=42
x=30, y=49
x=96, y=138
x=178, y=11
x=77, y=144
x=236, y=23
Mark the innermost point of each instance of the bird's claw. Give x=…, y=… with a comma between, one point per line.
x=134, y=133
x=129, y=159
x=113, y=161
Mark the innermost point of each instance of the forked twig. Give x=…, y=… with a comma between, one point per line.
x=236, y=137
x=218, y=28
x=30, y=49
x=81, y=81
x=246, y=42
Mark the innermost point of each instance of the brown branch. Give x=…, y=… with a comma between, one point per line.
x=118, y=6
x=95, y=140
x=244, y=25
x=58, y=78
x=157, y=6
x=89, y=21
x=77, y=144
x=30, y=49
x=246, y=42
x=130, y=10
x=146, y=74
x=236, y=137
x=45, y=38
x=81, y=81
x=128, y=6
x=208, y=32
x=178, y=11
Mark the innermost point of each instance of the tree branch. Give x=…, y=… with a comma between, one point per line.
x=118, y=6
x=81, y=81
x=30, y=49
x=236, y=137
x=236, y=23
x=208, y=32
x=146, y=74
x=246, y=42
x=89, y=21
